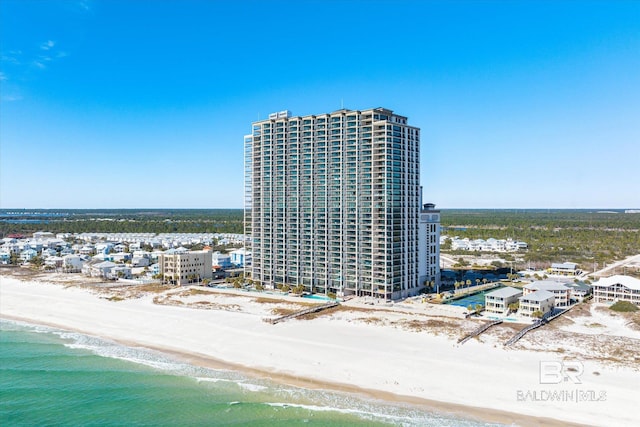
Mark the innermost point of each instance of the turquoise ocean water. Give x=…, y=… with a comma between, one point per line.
x=53, y=377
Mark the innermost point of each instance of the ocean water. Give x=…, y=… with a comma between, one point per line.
x=53, y=377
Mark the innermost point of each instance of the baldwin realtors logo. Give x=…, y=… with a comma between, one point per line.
x=553, y=373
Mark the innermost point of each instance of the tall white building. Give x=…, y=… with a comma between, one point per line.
x=332, y=202
x=429, y=247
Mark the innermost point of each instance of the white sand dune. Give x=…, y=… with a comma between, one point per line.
x=383, y=361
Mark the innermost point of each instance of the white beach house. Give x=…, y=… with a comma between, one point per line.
x=560, y=291
x=72, y=263
x=564, y=269
x=497, y=302
x=541, y=301
x=617, y=288
x=578, y=291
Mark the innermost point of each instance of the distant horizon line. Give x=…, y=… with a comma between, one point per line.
x=241, y=208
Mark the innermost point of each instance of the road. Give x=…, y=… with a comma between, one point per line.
x=634, y=259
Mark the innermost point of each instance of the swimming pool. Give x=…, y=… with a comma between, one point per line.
x=474, y=299
x=317, y=297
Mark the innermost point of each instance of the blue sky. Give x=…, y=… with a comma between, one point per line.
x=126, y=104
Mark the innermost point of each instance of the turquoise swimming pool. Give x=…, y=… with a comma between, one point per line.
x=317, y=297
x=474, y=299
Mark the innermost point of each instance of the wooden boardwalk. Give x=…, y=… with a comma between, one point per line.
x=478, y=331
x=314, y=309
x=538, y=323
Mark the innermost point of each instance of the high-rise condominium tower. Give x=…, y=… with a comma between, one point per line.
x=332, y=202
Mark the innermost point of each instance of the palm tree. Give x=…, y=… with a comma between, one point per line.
x=468, y=284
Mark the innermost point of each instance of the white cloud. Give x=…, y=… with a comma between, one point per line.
x=39, y=64
x=3, y=77
x=47, y=45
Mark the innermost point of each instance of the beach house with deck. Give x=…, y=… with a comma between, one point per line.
x=617, y=288
x=542, y=301
x=497, y=302
x=560, y=291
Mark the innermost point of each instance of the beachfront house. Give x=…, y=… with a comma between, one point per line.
x=538, y=301
x=72, y=263
x=578, y=291
x=54, y=262
x=119, y=271
x=13, y=248
x=560, y=291
x=28, y=254
x=497, y=302
x=100, y=269
x=5, y=257
x=617, y=288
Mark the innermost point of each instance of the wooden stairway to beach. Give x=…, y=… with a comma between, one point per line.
x=314, y=309
x=478, y=331
x=541, y=322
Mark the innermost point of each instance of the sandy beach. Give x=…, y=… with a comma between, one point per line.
x=375, y=352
